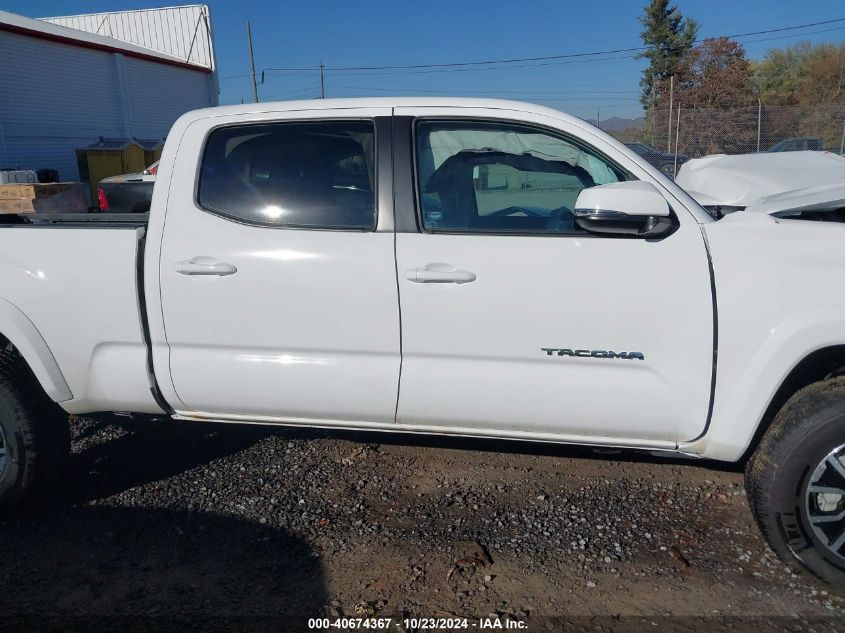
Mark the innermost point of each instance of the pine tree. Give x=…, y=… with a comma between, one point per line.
x=668, y=36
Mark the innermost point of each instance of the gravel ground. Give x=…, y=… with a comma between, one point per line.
x=170, y=522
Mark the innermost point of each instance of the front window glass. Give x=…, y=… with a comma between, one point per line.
x=500, y=177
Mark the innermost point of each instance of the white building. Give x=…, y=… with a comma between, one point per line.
x=63, y=88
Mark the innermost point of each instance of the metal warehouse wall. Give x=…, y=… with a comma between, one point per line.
x=56, y=98
x=160, y=94
x=184, y=32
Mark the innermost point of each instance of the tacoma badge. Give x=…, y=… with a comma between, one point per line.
x=595, y=353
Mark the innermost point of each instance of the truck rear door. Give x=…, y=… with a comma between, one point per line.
x=277, y=272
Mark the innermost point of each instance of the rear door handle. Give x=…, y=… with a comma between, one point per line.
x=439, y=274
x=204, y=266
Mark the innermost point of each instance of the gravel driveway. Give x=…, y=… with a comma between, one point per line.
x=216, y=525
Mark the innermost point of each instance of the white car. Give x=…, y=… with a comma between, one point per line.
x=462, y=267
x=800, y=185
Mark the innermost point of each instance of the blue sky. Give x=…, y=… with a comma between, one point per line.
x=299, y=34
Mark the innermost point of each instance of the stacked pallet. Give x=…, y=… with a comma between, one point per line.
x=54, y=197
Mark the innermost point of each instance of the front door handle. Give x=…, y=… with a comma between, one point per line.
x=204, y=266
x=439, y=274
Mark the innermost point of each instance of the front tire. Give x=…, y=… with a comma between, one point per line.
x=795, y=481
x=34, y=433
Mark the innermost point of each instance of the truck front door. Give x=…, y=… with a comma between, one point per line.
x=516, y=320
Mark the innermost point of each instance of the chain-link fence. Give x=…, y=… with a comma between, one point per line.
x=696, y=132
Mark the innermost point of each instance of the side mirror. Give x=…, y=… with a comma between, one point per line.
x=633, y=208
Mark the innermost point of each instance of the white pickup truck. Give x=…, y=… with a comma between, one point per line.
x=452, y=266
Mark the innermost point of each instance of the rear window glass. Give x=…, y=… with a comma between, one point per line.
x=302, y=175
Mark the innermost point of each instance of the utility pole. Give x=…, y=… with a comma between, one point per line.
x=598, y=117
x=652, y=115
x=677, y=134
x=759, y=122
x=251, y=63
x=322, y=82
x=842, y=144
x=653, y=92
x=671, y=96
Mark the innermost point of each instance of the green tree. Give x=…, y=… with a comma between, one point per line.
x=823, y=80
x=779, y=75
x=668, y=36
x=714, y=74
x=802, y=74
x=713, y=86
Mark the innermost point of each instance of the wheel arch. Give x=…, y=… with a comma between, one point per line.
x=16, y=329
x=821, y=364
x=759, y=368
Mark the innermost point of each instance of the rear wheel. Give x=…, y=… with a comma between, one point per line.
x=796, y=481
x=34, y=433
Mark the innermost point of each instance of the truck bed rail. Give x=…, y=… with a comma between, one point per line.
x=88, y=220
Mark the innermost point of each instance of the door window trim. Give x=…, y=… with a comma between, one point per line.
x=382, y=168
x=568, y=138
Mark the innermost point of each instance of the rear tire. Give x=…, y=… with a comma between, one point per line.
x=795, y=481
x=34, y=433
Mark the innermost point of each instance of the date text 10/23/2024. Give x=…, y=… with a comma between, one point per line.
x=414, y=624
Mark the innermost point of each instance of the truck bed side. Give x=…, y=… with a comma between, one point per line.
x=77, y=283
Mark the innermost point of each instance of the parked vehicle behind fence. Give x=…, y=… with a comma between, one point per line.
x=664, y=161
x=797, y=144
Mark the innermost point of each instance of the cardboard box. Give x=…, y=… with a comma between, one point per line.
x=61, y=197
x=19, y=205
x=8, y=192
x=34, y=190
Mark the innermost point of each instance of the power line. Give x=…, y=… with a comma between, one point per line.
x=468, y=70
x=523, y=97
x=490, y=92
x=516, y=63
x=330, y=71
x=782, y=37
x=546, y=57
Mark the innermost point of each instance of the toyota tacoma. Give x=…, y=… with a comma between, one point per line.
x=451, y=266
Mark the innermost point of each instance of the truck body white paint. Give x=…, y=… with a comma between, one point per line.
x=330, y=328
